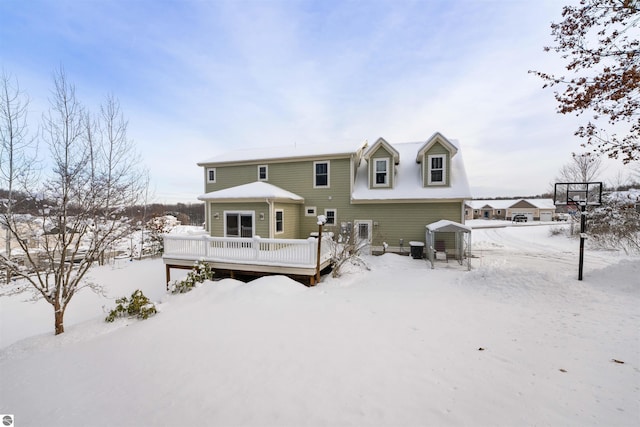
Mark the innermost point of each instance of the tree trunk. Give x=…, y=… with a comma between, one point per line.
x=59, y=316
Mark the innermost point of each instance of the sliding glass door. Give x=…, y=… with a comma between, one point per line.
x=238, y=224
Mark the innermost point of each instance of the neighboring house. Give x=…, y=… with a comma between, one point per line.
x=533, y=209
x=385, y=193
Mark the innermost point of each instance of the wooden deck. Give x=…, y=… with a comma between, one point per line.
x=296, y=258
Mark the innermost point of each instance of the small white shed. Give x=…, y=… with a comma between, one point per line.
x=462, y=240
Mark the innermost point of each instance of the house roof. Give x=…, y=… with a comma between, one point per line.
x=508, y=203
x=437, y=137
x=255, y=190
x=382, y=143
x=289, y=152
x=408, y=179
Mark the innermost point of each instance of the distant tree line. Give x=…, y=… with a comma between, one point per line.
x=186, y=213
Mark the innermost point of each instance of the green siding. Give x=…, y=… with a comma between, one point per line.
x=296, y=177
x=292, y=214
x=400, y=220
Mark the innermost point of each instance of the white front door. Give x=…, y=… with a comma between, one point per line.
x=363, y=234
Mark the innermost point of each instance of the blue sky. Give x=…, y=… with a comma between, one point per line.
x=196, y=78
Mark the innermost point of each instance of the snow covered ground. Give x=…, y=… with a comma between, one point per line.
x=518, y=340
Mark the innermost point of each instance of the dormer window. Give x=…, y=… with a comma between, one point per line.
x=381, y=172
x=437, y=169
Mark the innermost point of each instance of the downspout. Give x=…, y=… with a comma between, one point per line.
x=271, y=216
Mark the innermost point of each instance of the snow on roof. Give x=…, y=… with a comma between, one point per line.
x=446, y=225
x=284, y=152
x=408, y=179
x=542, y=203
x=253, y=190
x=494, y=204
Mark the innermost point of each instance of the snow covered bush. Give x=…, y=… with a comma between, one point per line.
x=556, y=231
x=347, y=248
x=160, y=225
x=616, y=224
x=139, y=306
x=201, y=271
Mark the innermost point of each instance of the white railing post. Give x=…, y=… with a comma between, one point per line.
x=205, y=242
x=256, y=247
x=313, y=249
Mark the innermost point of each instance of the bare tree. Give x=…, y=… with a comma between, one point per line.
x=584, y=167
x=92, y=182
x=599, y=38
x=18, y=151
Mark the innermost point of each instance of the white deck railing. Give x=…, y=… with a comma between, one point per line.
x=252, y=250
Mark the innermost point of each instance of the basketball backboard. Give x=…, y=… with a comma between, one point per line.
x=578, y=194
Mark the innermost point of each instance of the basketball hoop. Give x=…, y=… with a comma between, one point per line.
x=572, y=195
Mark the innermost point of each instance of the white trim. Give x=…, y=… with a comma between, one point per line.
x=275, y=221
x=215, y=175
x=266, y=172
x=387, y=180
x=328, y=163
x=307, y=209
x=335, y=216
x=444, y=169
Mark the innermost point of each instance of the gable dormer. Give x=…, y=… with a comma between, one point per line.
x=435, y=157
x=381, y=159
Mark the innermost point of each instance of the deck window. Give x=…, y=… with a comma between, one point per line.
x=211, y=175
x=238, y=224
x=381, y=173
x=437, y=171
x=310, y=211
x=331, y=215
x=320, y=174
x=263, y=173
x=279, y=221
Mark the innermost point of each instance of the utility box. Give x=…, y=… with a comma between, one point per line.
x=417, y=249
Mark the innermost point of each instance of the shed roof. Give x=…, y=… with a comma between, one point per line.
x=445, y=225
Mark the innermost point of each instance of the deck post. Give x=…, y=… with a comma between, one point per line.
x=167, y=270
x=321, y=221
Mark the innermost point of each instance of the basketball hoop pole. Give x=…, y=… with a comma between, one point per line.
x=583, y=230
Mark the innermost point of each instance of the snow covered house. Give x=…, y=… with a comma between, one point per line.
x=533, y=209
x=387, y=193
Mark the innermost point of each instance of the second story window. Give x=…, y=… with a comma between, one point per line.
x=382, y=172
x=320, y=174
x=437, y=171
x=263, y=173
x=211, y=175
